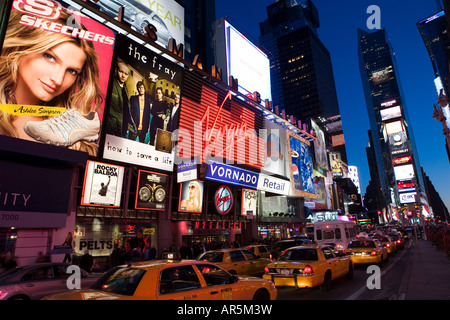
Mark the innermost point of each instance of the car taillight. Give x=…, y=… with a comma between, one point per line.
x=388, y=245
x=266, y=269
x=271, y=256
x=307, y=269
x=373, y=253
x=339, y=246
x=398, y=241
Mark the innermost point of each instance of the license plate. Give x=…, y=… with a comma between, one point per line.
x=284, y=271
x=358, y=254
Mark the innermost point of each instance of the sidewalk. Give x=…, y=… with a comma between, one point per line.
x=429, y=273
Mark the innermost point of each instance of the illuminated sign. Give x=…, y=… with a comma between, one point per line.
x=186, y=171
x=233, y=175
x=394, y=127
x=405, y=184
x=79, y=43
x=143, y=80
x=300, y=162
x=216, y=126
x=273, y=184
x=102, y=184
x=398, y=143
x=223, y=200
x=320, y=149
x=407, y=197
x=402, y=160
x=391, y=113
x=191, y=196
x=249, y=201
x=380, y=77
x=151, y=191
x=389, y=103
x=404, y=172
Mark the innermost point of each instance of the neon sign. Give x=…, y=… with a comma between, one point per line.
x=223, y=200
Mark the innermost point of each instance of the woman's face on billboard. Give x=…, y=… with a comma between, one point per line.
x=44, y=76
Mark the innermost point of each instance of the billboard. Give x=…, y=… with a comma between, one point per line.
x=276, y=148
x=300, y=162
x=398, y=143
x=249, y=201
x=391, y=113
x=143, y=108
x=394, y=127
x=102, y=184
x=381, y=76
x=151, y=191
x=167, y=16
x=404, y=172
x=191, y=196
x=320, y=148
x=55, y=67
x=243, y=60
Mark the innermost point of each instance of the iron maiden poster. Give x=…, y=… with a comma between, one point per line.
x=102, y=184
x=54, y=71
x=143, y=108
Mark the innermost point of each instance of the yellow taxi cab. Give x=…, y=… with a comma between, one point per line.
x=236, y=261
x=170, y=280
x=388, y=243
x=259, y=249
x=366, y=250
x=309, y=266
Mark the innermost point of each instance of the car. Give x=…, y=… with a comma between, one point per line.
x=399, y=240
x=281, y=245
x=309, y=266
x=236, y=261
x=388, y=243
x=261, y=250
x=35, y=281
x=138, y=15
x=367, y=251
x=173, y=280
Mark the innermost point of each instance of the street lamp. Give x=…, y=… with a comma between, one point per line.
x=438, y=114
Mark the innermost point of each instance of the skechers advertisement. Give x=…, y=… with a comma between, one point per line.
x=143, y=108
x=54, y=73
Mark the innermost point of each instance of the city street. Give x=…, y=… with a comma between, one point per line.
x=397, y=279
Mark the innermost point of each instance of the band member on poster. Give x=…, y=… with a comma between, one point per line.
x=140, y=109
x=119, y=120
x=174, y=114
x=194, y=201
x=104, y=188
x=160, y=111
x=42, y=68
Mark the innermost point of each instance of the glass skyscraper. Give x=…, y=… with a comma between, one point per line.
x=397, y=161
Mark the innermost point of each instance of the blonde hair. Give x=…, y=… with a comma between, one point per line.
x=84, y=95
x=198, y=197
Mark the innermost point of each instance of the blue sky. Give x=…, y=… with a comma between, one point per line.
x=339, y=21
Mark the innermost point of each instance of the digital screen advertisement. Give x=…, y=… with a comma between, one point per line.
x=102, y=184
x=144, y=107
x=301, y=165
x=191, y=196
x=249, y=201
x=42, y=102
x=151, y=191
x=167, y=16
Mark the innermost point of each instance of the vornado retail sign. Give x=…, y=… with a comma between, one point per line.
x=222, y=172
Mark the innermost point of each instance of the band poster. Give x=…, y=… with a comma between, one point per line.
x=144, y=106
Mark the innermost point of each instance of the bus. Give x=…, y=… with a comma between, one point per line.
x=336, y=233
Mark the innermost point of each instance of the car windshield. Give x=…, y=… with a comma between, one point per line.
x=299, y=254
x=211, y=256
x=120, y=281
x=362, y=244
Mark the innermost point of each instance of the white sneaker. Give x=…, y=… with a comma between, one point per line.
x=66, y=129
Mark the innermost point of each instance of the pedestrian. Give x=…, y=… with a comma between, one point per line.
x=68, y=245
x=185, y=251
x=115, y=256
x=86, y=261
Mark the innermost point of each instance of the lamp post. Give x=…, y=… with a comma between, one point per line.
x=438, y=114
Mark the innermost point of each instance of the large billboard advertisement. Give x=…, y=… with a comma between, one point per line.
x=54, y=70
x=320, y=149
x=276, y=148
x=243, y=60
x=102, y=184
x=167, y=16
x=143, y=108
x=300, y=162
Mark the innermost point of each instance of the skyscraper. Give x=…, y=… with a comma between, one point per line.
x=397, y=161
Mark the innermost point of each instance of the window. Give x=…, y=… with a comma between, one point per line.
x=249, y=255
x=212, y=256
x=262, y=249
x=214, y=275
x=60, y=271
x=178, y=279
x=299, y=254
x=337, y=233
x=328, y=234
x=318, y=234
x=236, y=256
x=121, y=281
x=327, y=253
